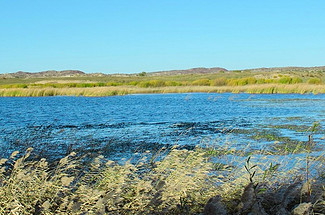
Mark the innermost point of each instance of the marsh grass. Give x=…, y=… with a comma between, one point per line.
x=169, y=181
x=123, y=90
x=29, y=186
x=180, y=183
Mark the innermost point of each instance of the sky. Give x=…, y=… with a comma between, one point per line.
x=129, y=36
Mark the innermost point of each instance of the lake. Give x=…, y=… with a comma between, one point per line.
x=120, y=126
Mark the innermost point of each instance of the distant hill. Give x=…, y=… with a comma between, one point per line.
x=200, y=70
x=50, y=73
x=291, y=69
x=203, y=70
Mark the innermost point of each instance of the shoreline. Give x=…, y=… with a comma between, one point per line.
x=126, y=90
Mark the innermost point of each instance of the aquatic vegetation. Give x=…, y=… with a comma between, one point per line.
x=150, y=88
x=182, y=182
x=297, y=128
x=240, y=176
x=169, y=181
x=177, y=183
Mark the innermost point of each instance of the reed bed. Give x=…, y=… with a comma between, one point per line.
x=181, y=182
x=123, y=90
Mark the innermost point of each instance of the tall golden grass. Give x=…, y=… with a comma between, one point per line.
x=123, y=90
x=180, y=183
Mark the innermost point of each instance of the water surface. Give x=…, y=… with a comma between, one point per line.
x=119, y=125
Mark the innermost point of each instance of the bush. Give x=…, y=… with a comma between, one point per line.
x=269, y=81
x=100, y=84
x=261, y=81
x=143, y=84
x=232, y=82
x=251, y=80
x=241, y=81
x=72, y=85
x=285, y=80
x=151, y=83
x=142, y=74
x=201, y=82
x=157, y=83
x=112, y=84
x=133, y=83
x=219, y=82
x=314, y=81
x=172, y=83
x=296, y=80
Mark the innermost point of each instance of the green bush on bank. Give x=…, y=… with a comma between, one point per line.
x=285, y=80
x=296, y=80
x=241, y=81
x=173, y=83
x=219, y=82
x=151, y=83
x=314, y=81
x=201, y=82
x=289, y=80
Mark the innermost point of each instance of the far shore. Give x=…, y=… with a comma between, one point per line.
x=302, y=88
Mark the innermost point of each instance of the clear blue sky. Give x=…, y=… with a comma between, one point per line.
x=129, y=36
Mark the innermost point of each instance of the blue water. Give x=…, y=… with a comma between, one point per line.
x=53, y=126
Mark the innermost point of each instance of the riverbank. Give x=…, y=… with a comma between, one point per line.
x=302, y=88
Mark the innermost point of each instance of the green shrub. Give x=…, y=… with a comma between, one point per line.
x=133, y=83
x=201, y=82
x=100, y=84
x=296, y=80
x=151, y=83
x=314, y=81
x=219, y=82
x=157, y=83
x=143, y=84
x=112, y=84
x=232, y=82
x=251, y=80
x=72, y=85
x=241, y=81
x=261, y=81
x=270, y=81
x=172, y=83
x=285, y=80
x=142, y=74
